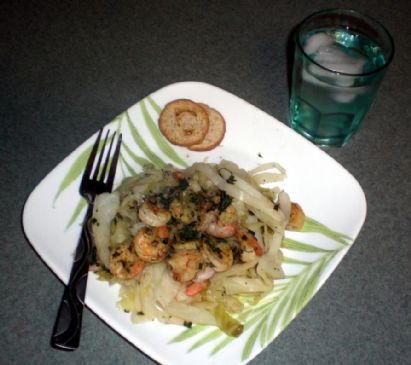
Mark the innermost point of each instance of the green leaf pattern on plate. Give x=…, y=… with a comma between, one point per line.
x=81, y=205
x=274, y=312
x=74, y=172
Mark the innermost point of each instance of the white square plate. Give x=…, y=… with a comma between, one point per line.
x=326, y=191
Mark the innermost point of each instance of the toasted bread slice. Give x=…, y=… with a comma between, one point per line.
x=216, y=131
x=184, y=122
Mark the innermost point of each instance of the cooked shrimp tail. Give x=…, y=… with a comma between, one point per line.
x=196, y=288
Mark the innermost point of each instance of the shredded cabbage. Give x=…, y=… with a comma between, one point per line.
x=104, y=210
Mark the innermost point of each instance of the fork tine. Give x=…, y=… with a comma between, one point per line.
x=100, y=157
x=113, y=166
x=107, y=160
x=90, y=161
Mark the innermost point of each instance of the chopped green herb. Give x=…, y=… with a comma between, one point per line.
x=196, y=199
x=188, y=232
x=188, y=324
x=183, y=184
x=225, y=201
x=231, y=180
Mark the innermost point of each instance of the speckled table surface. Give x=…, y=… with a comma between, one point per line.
x=70, y=67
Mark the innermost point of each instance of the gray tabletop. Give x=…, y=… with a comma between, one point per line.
x=69, y=67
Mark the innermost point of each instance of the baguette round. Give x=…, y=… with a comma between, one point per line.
x=184, y=122
x=215, y=133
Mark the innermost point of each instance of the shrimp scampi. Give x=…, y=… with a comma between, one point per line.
x=184, y=243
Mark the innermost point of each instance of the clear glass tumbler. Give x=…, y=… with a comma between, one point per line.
x=340, y=59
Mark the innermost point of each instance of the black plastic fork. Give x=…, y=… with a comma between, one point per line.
x=67, y=329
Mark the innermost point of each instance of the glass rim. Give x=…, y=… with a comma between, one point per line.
x=355, y=12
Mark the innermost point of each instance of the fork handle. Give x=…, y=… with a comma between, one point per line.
x=67, y=328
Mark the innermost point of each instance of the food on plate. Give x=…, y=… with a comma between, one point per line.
x=297, y=218
x=184, y=122
x=215, y=133
x=196, y=126
x=192, y=246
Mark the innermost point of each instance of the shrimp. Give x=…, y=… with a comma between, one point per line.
x=196, y=288
x=297, y=218
x=206, y=218
x=179, y=175
x=206, y=274
x=124, y=263
x=152, y=215
x=185, y=264
x=228, y=216
x=184, y=212
x=218, y=231
x=163, y=232
x=218, y=254
x=149, y=246
x=249, y=246
x=219, y=226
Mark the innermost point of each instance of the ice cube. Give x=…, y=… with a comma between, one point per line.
x=309, y=76
x=316, y=41
x=341, y=94
x=329, y=78
x=347, y=95
x=334, y=58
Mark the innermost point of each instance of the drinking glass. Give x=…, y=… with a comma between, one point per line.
x=340, y=59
